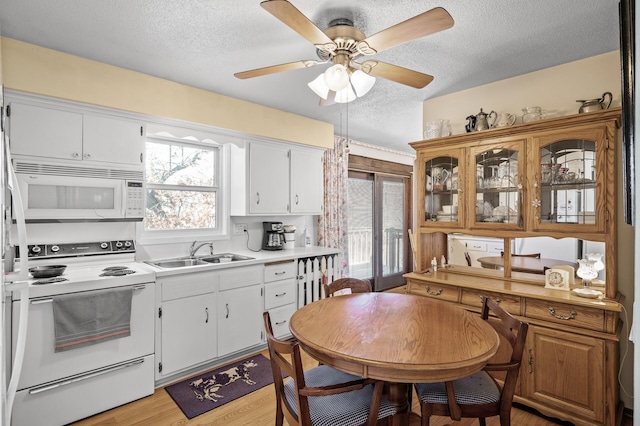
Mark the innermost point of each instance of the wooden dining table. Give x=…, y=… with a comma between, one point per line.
x=398, y=338
x=531, y=265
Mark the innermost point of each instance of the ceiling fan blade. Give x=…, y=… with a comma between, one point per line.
x=429, y=22
x=276, y=68
x=395, y=73
x=331, y=99
x=294, y=19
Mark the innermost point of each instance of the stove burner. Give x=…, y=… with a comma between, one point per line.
x=114, y=268
x=117, y=272
x=50, y=280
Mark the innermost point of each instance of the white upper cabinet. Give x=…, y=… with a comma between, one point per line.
x=47, y=132
x=276, y=178
x=307, y=178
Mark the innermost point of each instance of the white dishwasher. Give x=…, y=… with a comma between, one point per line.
x=475, y=246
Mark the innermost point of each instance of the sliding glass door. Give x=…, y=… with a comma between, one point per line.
x=377, y=223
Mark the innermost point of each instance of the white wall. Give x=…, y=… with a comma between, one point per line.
x=556, y=90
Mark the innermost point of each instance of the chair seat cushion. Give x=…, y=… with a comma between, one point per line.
x=479, y=388
x=344, y=409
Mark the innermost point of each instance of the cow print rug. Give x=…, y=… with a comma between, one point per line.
x=199, y=394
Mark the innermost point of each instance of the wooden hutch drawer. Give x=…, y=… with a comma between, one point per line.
x=434, y=290
x=475, y=298
x=575, y=316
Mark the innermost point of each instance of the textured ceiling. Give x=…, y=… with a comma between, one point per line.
x=202, y=43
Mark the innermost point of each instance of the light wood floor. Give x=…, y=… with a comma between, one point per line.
x=257, y=408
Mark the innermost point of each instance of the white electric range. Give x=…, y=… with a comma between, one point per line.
x=57, y=388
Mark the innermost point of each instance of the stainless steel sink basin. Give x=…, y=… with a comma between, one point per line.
x=206, y=260
x=225, y=257
x=177, y=263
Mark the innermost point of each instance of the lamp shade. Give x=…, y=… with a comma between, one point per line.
x=336, y=77
x=345, y=95
x=362, y=82
x=319, y=86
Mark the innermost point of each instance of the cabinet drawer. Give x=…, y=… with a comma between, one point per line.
x=240, y=277
x=280, y=320
x=187, y=285
x=437, y=291
x=279, y=271
x=474, y=298
x=569, y=315
x=279, y=293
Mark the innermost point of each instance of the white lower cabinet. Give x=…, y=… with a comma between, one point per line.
x=280, y=295
x=240, y=309
x=187, y=321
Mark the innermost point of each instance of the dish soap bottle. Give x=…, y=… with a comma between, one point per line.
x=307, y=238
x=434, y=264
x=443, y=262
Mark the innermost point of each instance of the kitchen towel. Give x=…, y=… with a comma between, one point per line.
x=90, y=317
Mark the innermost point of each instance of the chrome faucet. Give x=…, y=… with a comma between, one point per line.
x=193, y=249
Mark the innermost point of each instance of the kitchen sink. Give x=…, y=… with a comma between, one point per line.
x=176, y=263
x=182, y=262
x=225, y=257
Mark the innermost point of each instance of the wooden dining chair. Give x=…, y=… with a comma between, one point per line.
x=355, y=284
x=534, y=255
x=479, y=395
x=321, y=395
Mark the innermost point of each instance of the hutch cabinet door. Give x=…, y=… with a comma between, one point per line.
x=496, y=188
x=566, y=372
x=441, y=180
x=568, y=176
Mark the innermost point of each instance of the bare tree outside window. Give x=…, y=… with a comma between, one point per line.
x=182, y=186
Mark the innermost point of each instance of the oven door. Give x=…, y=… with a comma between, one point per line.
x=54, y=198
x=43, y=365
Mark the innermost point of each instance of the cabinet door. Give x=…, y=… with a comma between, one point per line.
x=45, y=132
x=496, y=195
x=239, y=319
x=307, y=181
x=188, y=332
x=441, y=180
x=565, y=371
x=569, y=180
x=268, y=179
x=113, y=140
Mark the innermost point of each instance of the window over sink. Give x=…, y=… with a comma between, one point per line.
x=185, y=184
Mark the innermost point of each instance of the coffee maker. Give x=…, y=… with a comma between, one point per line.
x=273, y=237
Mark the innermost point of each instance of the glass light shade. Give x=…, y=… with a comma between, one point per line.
x=362, y=82
x=345, y=95
x=319, y=86
x=336, y=77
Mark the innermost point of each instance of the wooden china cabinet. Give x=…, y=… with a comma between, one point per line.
x=553, y=178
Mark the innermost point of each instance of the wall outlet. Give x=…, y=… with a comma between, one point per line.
x=239, y=228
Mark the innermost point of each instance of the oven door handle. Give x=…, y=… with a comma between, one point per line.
x=49, y=300
x=97, y=373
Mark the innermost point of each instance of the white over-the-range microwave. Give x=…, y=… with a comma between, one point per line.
x=53, y=192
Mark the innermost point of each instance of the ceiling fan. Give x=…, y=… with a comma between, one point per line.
x=342, y=43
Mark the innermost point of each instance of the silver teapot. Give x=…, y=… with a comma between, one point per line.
x=595, y=104
x=480, y=121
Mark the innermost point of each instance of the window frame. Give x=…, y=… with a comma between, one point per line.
x=165, y=134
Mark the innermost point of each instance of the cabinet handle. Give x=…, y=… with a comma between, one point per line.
x=280, y=273
x=572, y=314
x=297, y=199
x=497, y=300
x=281, y=294
x=87, y=156
x=281, y=322
x=206, y=311
x=227, y=306
x=75, y=155
x=258, y=195
x=433, y=293
x=530, y=360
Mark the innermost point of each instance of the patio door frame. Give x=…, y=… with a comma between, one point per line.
x=378, y=171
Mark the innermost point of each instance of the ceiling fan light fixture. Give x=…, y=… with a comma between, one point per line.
x=319, y=86
x=362, y=82
x=336, y=77
x=345, y=95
